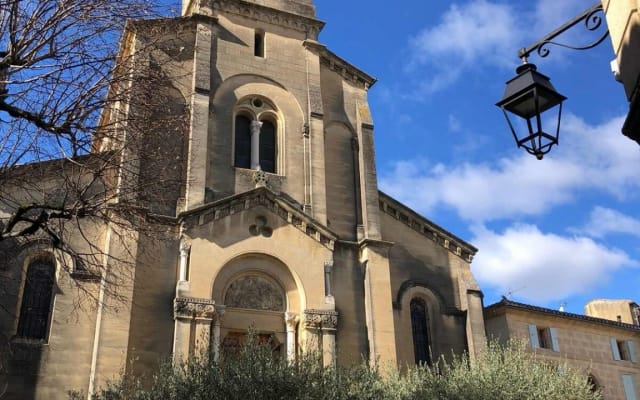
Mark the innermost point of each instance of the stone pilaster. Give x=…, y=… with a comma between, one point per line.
x=199, y=124
x=323, y=324
x=191, y=313
x=220, y=310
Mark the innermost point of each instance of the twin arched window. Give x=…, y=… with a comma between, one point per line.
x=255, y=144
x=37, y=299
x=420, y=331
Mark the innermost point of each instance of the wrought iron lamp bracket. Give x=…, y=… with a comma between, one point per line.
x=592, y=18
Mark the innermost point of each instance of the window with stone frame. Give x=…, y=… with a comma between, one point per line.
x=623, y=350
x=420, y=331
x=258, y=43
x=256, y=135
x=37, y=299
x=543, y=337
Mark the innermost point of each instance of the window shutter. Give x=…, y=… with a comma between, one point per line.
x=533, y=336
x=554, y=339
x=614, y=349
x=629, y=387
x=632, y=351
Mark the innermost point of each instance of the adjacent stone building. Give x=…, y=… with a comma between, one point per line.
x=608, y=350
x=279, y=224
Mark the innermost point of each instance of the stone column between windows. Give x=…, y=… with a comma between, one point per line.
x=256, y=126
x=291, y=322
x=182, y=286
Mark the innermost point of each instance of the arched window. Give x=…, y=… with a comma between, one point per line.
x=420, y=331
x=256, y=129
x=268, y=147
x=242, y=157
x=37, y=299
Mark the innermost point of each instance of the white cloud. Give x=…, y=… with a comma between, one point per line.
x=485, y=33
x=476, y=32
x=551, y=14
x=589, y=158
x=454, y=123
x=604, y=221
x=542, y=267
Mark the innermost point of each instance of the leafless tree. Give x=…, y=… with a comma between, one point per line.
x=91, y=131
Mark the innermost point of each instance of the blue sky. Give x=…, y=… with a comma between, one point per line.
x=561, y=230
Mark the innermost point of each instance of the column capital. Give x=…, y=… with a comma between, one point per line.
x=256, y=126
x=291, y=320
x=326, y=320
x=328, y=266
x=193, y=308
x=220, y=310
x=185, y=245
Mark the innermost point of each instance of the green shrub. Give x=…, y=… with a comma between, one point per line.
x=252, y=373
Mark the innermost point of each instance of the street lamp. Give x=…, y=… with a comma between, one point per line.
x=530, y=95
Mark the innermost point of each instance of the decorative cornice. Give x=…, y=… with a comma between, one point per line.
x=265, y=198
x=336, y=64
x=505, y=304
x=427, y=228
x=193, y=308
x=321, y=319
x=310, y=26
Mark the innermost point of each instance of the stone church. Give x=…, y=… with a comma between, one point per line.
x=278, y=226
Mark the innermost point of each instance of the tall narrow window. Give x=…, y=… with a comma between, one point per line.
x=258, y=43
x=37, y=299
x=420, y=330
x=242, y=157
x=268, y=147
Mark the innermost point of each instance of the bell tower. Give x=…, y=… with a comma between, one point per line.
x=303, y=8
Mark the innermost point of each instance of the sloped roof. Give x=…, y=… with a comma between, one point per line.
x=509, y=304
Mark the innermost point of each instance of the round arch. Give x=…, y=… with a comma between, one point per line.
x=32, y=261
x=260, y=265
x=235, y=89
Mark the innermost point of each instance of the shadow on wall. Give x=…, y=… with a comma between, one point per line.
x=630, y=61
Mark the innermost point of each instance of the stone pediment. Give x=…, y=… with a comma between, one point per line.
x=263, y=197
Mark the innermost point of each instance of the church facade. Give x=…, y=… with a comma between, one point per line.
x=279, y=226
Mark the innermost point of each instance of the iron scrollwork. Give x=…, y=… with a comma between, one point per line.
x=593, y=20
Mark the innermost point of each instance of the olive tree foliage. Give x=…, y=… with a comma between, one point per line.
x=503, y=373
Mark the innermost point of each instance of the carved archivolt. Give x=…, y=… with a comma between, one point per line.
x=321, y=319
